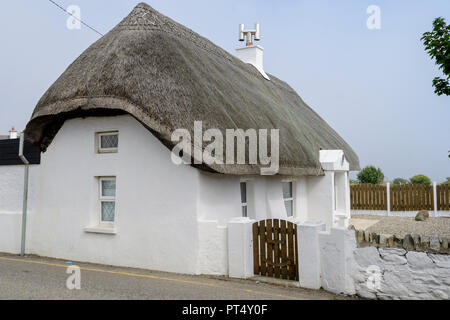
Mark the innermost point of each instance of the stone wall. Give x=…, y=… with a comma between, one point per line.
x=335, y=261
x=423, y=243
x=396, y=273
x=346, y=261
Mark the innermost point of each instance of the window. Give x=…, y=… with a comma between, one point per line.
x=288, y=198
x=244, y=198
x=107, y=200
x=108, y=142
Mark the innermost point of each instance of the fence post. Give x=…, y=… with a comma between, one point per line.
x=434, y=199
x=388, y=198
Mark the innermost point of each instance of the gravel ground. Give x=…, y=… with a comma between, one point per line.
x=401, y=226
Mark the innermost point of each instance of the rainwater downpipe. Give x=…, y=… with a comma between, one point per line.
x=25, y=194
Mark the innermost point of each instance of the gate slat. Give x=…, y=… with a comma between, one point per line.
x=262, y=247
x=291, y=268
x=284, y=257
x=256, y=265
x=296, y=251
x=276, y=246
x=269, y=237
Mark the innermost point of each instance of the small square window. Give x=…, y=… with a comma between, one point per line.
x=108, y=210
x=108, y=187
x=108, y=142
x=107, y=199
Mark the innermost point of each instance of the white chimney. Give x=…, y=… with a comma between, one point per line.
x=252, y=54
x=13, y=134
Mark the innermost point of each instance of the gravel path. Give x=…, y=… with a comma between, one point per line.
x=401, y=226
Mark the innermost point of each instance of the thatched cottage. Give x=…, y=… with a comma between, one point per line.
x=108, y=191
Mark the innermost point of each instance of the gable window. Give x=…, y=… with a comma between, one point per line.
x=108, y=142
x=107, y=200
x=244, y=198
x=288, y=198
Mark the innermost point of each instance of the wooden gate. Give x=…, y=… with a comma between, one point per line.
x=275, y=252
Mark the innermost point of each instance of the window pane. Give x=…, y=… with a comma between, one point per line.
x=108, y=188
x=108, y=208
x=244, y=211
x=289, y=207
x=243, y=192
x=109, y=141
x=287, y=189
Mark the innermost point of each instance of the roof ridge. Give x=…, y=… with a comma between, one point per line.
x=144, y=17
x=162, y=23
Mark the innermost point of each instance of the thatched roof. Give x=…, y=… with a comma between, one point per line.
x=167, y=76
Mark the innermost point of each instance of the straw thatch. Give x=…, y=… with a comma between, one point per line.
x=167, y=77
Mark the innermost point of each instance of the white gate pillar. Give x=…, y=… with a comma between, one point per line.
x=309, y=254
x=240, y=247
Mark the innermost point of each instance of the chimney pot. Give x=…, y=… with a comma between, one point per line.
x=13, y=133
x=252, y=54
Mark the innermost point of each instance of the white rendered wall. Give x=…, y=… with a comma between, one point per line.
x=300, y=187
x=11, y=201
x=320, y=198
x=219, y=197
x=213, y=248
x=156, y=206
x=11, y=188
x=309, y=254
x=336, y=259
x=240, y=248
x=265, y=198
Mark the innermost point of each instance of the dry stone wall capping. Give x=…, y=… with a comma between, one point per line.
x=422, y=243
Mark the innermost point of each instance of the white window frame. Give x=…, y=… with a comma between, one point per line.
x=106, y=199
x=291, y=199
x=243, y=204
x=99, y=142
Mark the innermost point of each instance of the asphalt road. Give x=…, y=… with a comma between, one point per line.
x=34, y=277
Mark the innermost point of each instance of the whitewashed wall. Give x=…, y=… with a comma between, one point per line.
x=219, y=197
x=320, y=194
x=168, y=217
x=156, y=207
x=11, y=201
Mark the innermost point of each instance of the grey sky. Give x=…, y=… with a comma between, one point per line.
x=372, y=86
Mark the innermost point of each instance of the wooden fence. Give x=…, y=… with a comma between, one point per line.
x=443, y=196
x=407, y=197
x=368, y=197
x=410, y=197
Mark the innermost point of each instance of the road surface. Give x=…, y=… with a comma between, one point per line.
x=33, y=277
